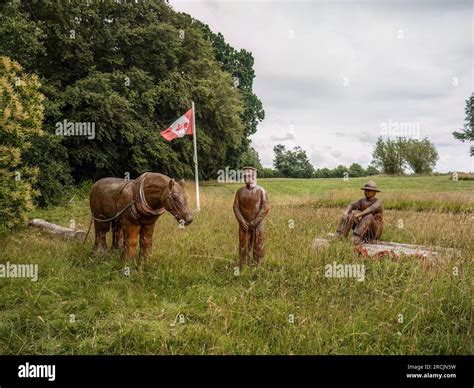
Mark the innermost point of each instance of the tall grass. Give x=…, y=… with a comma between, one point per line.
x=189, y=299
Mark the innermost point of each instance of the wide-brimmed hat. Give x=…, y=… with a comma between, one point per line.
x=370, y=186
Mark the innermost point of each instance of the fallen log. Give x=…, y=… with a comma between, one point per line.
x=398, y=249
x=57, y=230
x=389, y=248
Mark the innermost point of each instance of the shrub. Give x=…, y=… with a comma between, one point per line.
x=21, y=116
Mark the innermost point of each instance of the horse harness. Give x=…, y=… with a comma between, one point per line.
x=138, y=206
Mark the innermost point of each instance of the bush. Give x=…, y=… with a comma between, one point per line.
x=54, y=177
x=21, y=116
x=265, y=173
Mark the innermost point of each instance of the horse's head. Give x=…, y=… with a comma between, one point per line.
x=176, y=202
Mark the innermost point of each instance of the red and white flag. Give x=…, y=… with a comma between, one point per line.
x=182, y=126
x=186, y=125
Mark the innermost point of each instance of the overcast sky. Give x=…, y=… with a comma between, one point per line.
x=335, y=75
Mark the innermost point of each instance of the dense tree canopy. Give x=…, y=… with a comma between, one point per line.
x=131, y=69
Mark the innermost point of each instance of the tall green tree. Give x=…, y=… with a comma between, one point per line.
x=356, y=170
x=420, y=155
x=340, y=171
x=388, y=155
x=371, y=170
x=250, y=158
x=292, y=163
x=467, y=132
x=393, y=156
x=130, y=68
x=20, y=34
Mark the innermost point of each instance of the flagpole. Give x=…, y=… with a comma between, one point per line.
x=196, y=175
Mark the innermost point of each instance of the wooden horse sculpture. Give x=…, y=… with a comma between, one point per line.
x=132, y=208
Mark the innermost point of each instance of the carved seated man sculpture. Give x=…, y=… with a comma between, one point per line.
x=367, y=225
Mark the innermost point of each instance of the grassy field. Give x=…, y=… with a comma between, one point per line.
x=188, y=298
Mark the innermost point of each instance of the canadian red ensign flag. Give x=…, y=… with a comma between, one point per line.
x=182, y=126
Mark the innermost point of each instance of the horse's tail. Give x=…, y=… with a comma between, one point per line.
x=88, y=230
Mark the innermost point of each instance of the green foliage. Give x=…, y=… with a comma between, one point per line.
x=292, y=163
x=420, y=155
x=467, y=132
x=54, y=178
x=295, y=164
x=371, y=170
x=356, y=170
x=388, y=156
x=325, y=173
x=250, y=158
x=393, y=156
x=21, y=115
x=353, y=171
x=20, y=34
x=340, y=171
x=131, y=69
x=266, y=173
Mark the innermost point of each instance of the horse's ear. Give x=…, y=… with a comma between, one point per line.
x=171, y=184
x=182, y=183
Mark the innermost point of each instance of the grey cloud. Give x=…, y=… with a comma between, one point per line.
x=286, y=137
x=301, y=80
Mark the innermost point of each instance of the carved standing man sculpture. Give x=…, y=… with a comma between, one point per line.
x=367, y=225
x=250, y=208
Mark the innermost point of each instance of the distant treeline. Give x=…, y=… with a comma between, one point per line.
x=354, y=170
x=392, y=157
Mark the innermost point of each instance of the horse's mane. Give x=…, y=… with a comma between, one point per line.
x=157, y=180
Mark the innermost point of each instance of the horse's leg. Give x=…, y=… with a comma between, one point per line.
x=101, y=229
x=146, y=240
x=117, y=235
x=114, y=234
x=130, y=242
